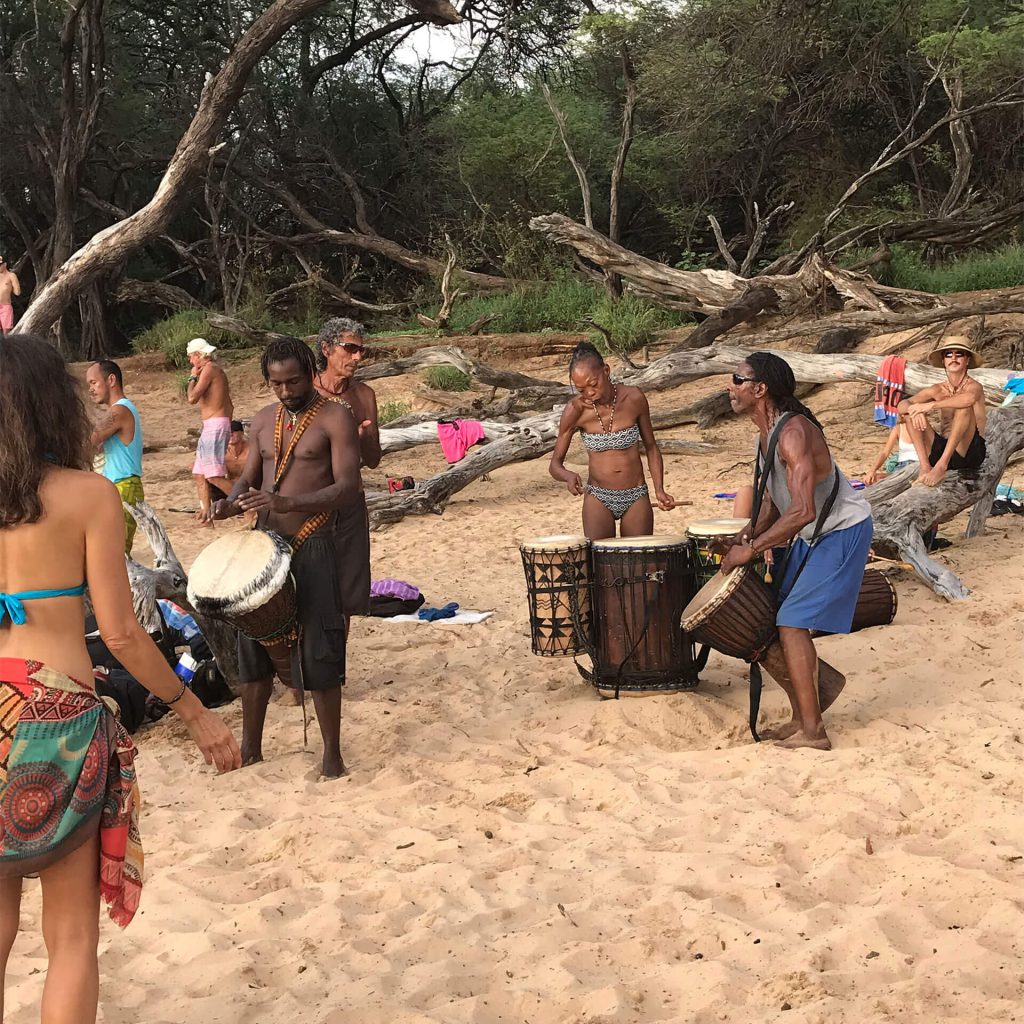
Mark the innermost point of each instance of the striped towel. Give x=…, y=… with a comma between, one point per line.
x=889, y=389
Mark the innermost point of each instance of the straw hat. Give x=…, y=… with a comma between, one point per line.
x=957, y=341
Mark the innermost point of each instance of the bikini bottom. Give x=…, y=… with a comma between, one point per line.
x=618, y=502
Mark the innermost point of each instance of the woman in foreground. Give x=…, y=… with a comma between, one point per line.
x=613, y=420
x=68, y=794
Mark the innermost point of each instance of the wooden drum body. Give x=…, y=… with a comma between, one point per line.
x=641, y=586
x=876, y=602
x=734, y=615
x=245, y=580
x=558, y=590
x=702, y=535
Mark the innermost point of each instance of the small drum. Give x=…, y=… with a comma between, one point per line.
x=734, y=614
x=876, y=602
x=641, y=585
x=702, y=534
x=558, y=590
x=245, y=579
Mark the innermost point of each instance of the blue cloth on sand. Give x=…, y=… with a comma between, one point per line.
x=433, y=614
x=825, y=594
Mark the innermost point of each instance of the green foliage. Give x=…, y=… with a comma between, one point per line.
x=447, y=378
x=172, y=335
x=558, y=306
x=632, y=322
x=1001, y=268
x=391, y=411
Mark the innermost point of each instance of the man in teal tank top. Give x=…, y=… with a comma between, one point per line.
x=117, y=438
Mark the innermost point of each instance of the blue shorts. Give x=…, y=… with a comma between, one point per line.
x=825, y=594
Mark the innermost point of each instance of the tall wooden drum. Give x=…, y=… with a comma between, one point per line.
x=558, y=591
x=641, y=586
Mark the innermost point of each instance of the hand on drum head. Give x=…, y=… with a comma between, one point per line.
x=665, y=501
x=260, y=501
x=222, y=509
x=215, y=741
x=737, y=555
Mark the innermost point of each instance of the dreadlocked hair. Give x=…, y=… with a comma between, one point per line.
x=777, y=375
x=284, y=348
x=585, y=352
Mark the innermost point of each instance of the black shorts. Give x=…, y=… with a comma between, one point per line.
x=320, y=615
x=353, y=538
x=971, y=459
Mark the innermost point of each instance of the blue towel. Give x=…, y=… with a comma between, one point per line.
x=1015, y=385
x=433, y=614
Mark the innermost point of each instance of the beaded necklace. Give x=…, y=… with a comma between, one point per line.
x=611, y=418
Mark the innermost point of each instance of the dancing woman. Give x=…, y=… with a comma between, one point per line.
x=613, y=420
x=68, y=797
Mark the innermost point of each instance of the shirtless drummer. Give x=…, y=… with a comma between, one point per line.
x=302, y=480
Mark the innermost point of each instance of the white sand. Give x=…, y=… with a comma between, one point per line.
x=510, y=848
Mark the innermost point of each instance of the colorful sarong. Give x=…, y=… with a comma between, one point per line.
x=130, y=489
x=212, y=449
x=66, y=768
x=890, y=388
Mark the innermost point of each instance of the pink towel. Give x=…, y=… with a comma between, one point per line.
x=457, y=436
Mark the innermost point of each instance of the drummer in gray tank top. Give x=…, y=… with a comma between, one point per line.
x=810, y=506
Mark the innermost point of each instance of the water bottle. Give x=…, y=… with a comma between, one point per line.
x=186, y=668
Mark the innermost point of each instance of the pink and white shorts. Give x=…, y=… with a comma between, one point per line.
x=213, y=448
x=6, y=317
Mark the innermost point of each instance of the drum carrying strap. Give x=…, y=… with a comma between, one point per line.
x=760, y=485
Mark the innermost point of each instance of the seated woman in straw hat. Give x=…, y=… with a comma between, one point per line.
x=960, y=402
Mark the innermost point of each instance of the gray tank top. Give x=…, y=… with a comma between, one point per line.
x=849, y=509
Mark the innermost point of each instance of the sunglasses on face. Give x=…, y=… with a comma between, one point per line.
x=352, y=347
x=954, y=353
x=738, y=379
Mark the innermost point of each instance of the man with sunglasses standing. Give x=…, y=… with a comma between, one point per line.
x=960, y=403
x=9, y=287
x=340, y=347
x=805, y=508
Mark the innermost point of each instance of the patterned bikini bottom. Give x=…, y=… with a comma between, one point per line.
x=618, y=502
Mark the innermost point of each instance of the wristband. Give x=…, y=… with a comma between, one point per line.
x=177, y=696
x=193, y=380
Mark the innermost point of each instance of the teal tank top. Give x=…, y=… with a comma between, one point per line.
x=122, y=460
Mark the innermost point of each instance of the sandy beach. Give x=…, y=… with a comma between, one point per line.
x=510, y=849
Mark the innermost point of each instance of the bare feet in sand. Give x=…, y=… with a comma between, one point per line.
x=782, y=732
x=800, y=739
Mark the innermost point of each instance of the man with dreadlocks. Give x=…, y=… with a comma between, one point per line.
x=302, y=480
x=802, y=500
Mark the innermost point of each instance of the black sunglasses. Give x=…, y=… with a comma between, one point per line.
x=352, y=347
x=738, y=379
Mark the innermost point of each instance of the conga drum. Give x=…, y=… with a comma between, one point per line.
x=641, y=585
x=245, y=580
x=558, y=591
x=733, y=614
x=703, y=534
x=876, y=602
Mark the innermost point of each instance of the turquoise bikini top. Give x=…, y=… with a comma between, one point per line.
x=11, y=604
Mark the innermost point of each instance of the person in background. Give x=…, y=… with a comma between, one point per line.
x=9, y=287
x=69, y=802
x=117, y=439
x=208, y=388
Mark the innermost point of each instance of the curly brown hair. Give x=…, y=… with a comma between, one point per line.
x=44, y=422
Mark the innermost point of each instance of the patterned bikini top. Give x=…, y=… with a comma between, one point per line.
x=618, y=440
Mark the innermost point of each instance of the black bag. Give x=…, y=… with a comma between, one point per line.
x=385, y=606
x=129, y=694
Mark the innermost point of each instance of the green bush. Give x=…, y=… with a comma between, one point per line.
x=632, y=322
x=172, y=335
x=447, y=378
x=391, y=411
x=1000, y=268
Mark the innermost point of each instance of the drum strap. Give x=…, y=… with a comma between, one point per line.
x=283, y=460
x=760, y=485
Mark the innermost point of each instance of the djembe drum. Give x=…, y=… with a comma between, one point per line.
x=558, y=591
x=641, y=586
x=245, y=580
x=703, y=534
